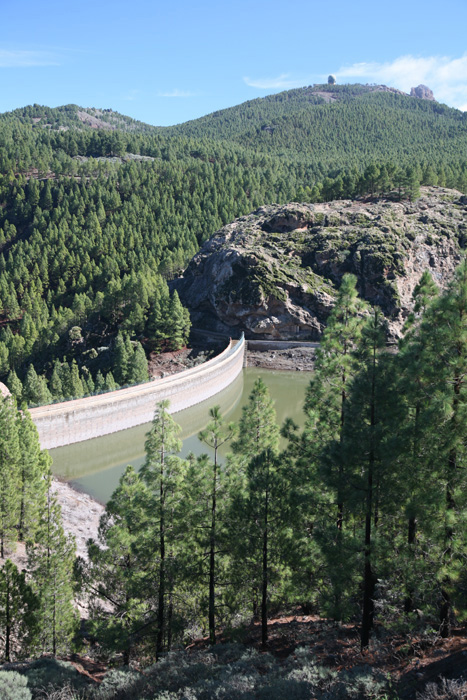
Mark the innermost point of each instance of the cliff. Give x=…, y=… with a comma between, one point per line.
x=275, y=272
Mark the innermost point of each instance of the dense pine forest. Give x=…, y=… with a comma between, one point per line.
x=359, y=517
x=357, y=520
x=98, y=212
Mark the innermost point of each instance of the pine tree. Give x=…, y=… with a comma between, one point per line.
x=100, y=383
x=258, y=429
x=9, y=475
x=76, y=388
x=326, y=399
x=115, y=576
x=110, y=384
x=17, y=611
x=443, y=333
x=4, y=363
x=215, y=435
x=179, y=323
x=363, y=445
x=138, y=366
x=55, y=382
x=121, y=360
x=15, y=386
x=264, y=492
x=256, y=446
x=50, y=561
x=414, y=444
x=319, y=454
x=156, y=326
x=35, y=391
x=34, y=468
x=162, y=472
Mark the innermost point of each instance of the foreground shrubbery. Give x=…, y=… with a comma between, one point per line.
x=225, y=672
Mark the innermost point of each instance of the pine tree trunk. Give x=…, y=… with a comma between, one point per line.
x=412, y=524
x=161, y=597
x=212, y=572
x=445, y=607
x=411, y=534
x=446, y=603
x=21, y=515
x=264, y=596
x=369, y=577
x=340, y=503
x=7, y=622
x=54, y=624
x=255, y=603
x=169, y=622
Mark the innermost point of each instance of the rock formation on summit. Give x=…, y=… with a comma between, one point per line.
x=422, y=92
x=275, y=272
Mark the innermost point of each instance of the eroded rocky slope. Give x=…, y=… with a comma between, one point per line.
x=275, y=272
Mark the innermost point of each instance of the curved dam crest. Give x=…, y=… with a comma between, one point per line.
x=73, y=421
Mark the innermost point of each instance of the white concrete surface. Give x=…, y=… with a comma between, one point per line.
x=81, y=419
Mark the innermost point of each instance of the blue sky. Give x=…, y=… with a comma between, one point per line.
x=167, y=63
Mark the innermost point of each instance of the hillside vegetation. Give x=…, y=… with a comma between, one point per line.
x=97, y=211
x=353, y=530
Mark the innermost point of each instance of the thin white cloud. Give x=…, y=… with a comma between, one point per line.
x=445, y=75
x=131, y=95
x=176, y=93
x=26, y=59
x=284, y=81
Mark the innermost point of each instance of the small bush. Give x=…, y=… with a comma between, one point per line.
x=446, y=690
x=118, y=684
x=360, y=683
x=13, y=686
x=48, y=675
x=65, y=692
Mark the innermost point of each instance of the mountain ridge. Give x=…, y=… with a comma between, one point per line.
x=108, y=118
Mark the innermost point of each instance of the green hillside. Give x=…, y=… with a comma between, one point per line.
x=358, y=122
x=97, y=210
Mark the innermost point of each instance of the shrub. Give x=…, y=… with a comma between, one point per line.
x=119, y=684
x=47, y=675
x=13, y=686
x=446, y=690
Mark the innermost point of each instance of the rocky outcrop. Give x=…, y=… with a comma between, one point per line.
x=4, y=390
x=275, y=273
x=422, y=92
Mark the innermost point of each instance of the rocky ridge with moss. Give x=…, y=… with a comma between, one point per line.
x=274, y=273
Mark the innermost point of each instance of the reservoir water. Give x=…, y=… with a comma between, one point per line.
x=95, y=466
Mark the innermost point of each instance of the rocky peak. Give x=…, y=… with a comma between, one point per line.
x=275, y=273
x=422, y=92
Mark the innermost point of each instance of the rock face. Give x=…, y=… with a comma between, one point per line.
x=422, y=92
x=4, y=390
x=275, y=273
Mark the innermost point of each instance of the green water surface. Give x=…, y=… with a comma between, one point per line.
x=95, y=466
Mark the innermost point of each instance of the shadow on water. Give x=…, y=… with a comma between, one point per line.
x=95, y=466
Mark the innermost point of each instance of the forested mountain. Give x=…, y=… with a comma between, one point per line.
x=98, y=210
x=331, y=126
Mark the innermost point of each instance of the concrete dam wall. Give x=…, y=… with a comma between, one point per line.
x=81, y=419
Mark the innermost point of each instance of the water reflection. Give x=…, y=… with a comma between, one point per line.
x=95, y=466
